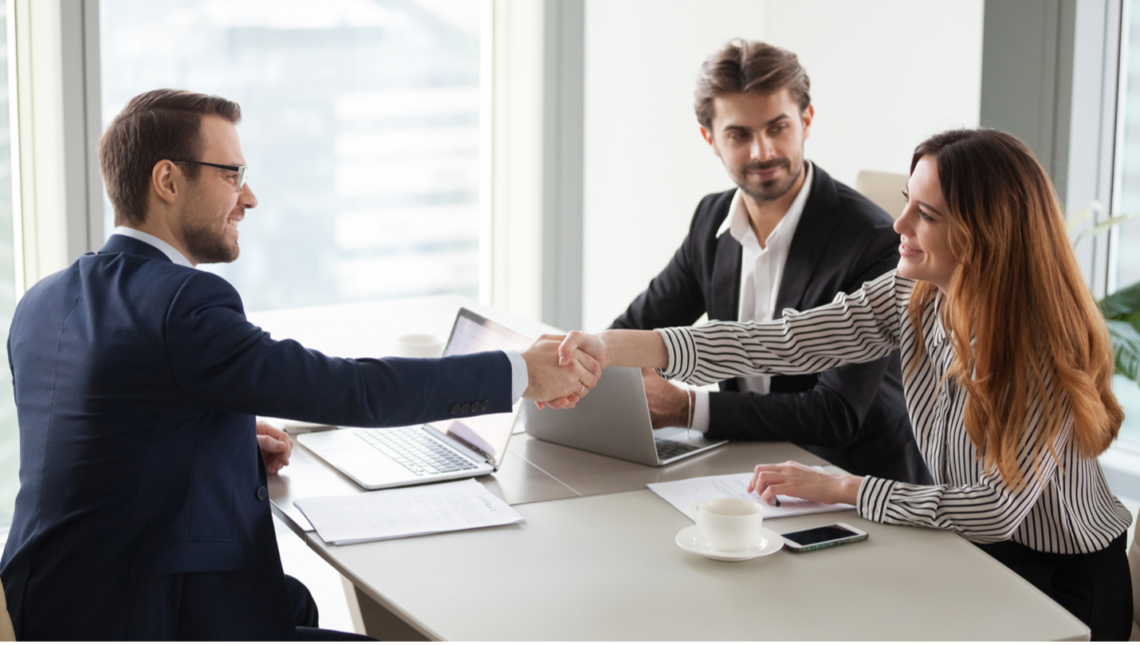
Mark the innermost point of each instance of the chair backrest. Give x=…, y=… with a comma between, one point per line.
x=884, y=189
x=1134, y=567
x=7, y=633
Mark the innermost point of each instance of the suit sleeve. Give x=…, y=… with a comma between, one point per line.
x=222, y=361
x=674, y=298
x=833, y=410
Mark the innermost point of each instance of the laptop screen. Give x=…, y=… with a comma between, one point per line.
x=488, y=434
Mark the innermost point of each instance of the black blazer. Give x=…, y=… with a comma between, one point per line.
x=854, y=416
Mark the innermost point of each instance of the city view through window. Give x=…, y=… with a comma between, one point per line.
x=360, y=127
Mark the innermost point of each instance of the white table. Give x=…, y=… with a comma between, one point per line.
x=596, y=559
x=606, y=567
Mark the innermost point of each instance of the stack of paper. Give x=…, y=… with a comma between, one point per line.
x=683, y=493
x=403, y=512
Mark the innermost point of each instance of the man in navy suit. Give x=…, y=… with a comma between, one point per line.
x=143, y=510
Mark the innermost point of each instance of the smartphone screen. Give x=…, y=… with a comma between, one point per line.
x=821, y=534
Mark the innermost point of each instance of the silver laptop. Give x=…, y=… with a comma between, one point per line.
x=453, y=449
x=613, y=420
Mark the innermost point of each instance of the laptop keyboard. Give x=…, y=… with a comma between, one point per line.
x=415, y=450
x=668, y=449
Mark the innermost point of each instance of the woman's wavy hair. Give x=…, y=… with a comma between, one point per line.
x=1018, y=294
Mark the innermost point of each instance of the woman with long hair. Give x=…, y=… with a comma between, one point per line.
x=1007, y=369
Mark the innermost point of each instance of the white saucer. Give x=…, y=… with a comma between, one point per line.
x=692, y=539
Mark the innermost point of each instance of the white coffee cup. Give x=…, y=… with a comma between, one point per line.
x=419, y=346
x=729, y=523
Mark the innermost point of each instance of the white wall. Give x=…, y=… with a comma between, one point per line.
x=885, y=74
x=646, y=164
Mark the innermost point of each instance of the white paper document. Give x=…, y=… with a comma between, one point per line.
x=683, y=493
x=403, y=512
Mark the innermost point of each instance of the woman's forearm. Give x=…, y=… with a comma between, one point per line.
x=635, y=348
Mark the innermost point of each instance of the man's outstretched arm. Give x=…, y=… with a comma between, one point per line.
x=223, y=361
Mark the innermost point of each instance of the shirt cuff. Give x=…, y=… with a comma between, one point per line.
x=873, y=498
x=701, y=411
x=682, y=353
x=520, y=378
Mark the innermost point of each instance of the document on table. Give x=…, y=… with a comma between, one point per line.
x=404, y=512
x=686, y=491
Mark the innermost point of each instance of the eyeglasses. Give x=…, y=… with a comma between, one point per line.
x=242, y=171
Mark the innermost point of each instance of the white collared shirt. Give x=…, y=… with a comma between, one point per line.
x=157, y=243
x=761, y=269
x=520, y=377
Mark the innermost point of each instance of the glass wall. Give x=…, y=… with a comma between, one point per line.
x=1127, y=199
x=360, y=127
x=9, y=431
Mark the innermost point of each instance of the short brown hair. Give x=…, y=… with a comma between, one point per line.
x=155, y=125
x=749, y=67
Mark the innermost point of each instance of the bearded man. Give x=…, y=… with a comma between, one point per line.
x=788, y=236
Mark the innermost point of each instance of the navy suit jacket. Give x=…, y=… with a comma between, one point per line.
x=854, y=416
x=143, y=511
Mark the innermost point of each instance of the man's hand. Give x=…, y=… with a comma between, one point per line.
x=550, y=381
x=275, y=447
x=668, y=404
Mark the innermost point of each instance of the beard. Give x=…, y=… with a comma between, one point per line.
x=773, y=189
x=204, y=240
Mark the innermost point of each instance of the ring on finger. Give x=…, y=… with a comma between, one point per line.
x=579, y=392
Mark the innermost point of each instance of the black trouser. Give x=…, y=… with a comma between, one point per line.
x=305, y=616
x=1094, y=587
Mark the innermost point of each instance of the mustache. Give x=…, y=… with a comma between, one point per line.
x=768, y=165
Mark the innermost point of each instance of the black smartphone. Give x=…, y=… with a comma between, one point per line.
x=822, y=537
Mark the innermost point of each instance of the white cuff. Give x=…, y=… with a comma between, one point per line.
x=520, y=378
x=701, y=411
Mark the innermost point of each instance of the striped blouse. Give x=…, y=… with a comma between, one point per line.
x=1065, y=510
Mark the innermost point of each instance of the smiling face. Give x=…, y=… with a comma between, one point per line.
x=760, y=138
x=925, y=230
x=208, y=222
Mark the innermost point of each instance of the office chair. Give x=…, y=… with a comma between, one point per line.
x=7, y=633
x=1134, y=567
x=884, y=189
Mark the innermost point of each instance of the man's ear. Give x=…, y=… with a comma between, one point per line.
x=708, y=137
x=163, y=180
x=808, y=116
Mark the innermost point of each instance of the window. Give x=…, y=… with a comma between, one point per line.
x=360, y=127
x=1127, y=200
x=9, y=429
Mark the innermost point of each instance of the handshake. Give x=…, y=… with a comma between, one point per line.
x=562, y=369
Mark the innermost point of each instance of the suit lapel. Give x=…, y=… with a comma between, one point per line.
x=811, y=237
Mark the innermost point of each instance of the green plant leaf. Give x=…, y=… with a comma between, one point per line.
x=1122, y=303
x=1126, y=346
x=1103, y=227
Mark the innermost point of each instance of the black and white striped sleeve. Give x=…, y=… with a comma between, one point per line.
x=989, y=510
x=854, y=328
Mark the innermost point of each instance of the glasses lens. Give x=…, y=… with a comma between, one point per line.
x=243, y=176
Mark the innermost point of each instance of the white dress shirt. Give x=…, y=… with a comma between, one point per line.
x=519, y=376
x=761, y=269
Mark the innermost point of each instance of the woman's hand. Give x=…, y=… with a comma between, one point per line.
x=797, y=480
x=588, y=343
